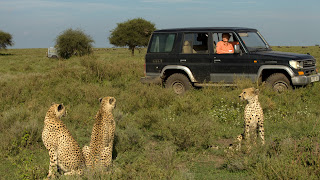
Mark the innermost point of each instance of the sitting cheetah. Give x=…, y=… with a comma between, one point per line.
x=64, y=151
x=99, y=153
x=253, y=117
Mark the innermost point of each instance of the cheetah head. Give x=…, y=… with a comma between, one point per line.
x=108, y=103
x=58, y=110
x=249, y=93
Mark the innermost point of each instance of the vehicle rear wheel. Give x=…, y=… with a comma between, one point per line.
x=278, y=82
x=179, y=83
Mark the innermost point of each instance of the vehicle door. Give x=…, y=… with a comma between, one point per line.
x=195, y=55
x=229, y=67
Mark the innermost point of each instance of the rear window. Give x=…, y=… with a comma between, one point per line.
x=162, y=42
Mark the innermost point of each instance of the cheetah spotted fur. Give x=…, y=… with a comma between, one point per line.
x=99, y=153
x=253, y=117
x=64, y=151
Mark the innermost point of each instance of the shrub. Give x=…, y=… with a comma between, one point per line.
x=73, y=42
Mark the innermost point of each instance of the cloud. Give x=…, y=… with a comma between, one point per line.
x=39, y=4
x=169, y=1
x=245, y=2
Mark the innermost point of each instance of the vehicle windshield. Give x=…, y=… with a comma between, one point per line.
x=254, y=41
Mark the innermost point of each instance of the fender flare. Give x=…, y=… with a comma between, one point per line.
x=178, y=67
x=273, y=67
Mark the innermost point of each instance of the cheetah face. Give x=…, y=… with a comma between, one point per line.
x=248, y=93
x=58, y=110
x=108, y=103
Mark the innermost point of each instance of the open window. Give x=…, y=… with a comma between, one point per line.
x=217, y=37
x=195, y=43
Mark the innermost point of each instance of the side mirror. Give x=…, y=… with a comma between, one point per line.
x=237, y=48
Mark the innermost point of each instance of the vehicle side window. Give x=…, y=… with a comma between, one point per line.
x=162, y=43
x=195, y=43
x=217, y=36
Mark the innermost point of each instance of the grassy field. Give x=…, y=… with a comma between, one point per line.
x=159, y=135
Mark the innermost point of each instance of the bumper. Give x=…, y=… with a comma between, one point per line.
x=151, y=80
x=304, y=80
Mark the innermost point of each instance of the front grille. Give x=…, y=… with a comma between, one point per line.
x=310, y=72
x=309, y=63
x=309, y=66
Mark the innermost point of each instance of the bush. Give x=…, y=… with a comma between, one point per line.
x=73, y=42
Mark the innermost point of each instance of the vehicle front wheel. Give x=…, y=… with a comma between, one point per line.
x=278, y=82
x=179, y=83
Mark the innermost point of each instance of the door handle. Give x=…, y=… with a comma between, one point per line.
x=183, y=60
x=216, y=60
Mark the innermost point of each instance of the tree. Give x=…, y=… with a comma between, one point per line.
x=5, y=40
x=73, y=42
x=132, y=33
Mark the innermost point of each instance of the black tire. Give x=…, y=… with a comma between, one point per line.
x=179, y=83
x=279, y=82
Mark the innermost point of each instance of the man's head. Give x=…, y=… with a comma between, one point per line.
x=225, y=37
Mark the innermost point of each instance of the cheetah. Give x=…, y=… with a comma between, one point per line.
x=99, y=153
x=64, y=151
x=253, y=117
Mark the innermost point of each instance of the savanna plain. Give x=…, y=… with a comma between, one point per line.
x=159, y=135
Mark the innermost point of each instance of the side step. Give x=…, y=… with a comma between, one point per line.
x=214, y=85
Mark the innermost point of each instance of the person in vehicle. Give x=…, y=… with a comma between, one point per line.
x=235, y=42
x=224, y=46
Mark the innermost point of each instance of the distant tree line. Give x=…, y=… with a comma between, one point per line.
x=132, y=34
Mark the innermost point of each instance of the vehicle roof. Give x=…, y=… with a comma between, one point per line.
x=190, y=29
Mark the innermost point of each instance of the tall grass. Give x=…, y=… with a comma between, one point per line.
x=158, y=135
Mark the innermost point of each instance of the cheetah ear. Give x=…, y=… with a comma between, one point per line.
x=100, y=100
x=60, y=107
x=111, y=100
x=53, y=103
x=256, y=91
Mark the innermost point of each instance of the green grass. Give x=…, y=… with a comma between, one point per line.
x=159, y=135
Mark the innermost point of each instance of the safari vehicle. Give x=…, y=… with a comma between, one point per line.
x=186, y=57
x=52, y=52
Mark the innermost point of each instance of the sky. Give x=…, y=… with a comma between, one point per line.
x=37, y=23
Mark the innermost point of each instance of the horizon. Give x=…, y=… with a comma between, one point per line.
x=36, y=23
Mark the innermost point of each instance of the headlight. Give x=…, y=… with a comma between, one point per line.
x=296, y=64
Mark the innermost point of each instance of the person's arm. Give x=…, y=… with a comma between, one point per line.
x=234, y=43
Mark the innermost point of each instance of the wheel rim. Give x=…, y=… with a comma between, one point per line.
x=178, y=87
x=280, y=86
